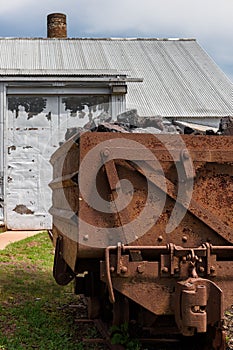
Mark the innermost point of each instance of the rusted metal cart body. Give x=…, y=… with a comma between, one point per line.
x=151, y=217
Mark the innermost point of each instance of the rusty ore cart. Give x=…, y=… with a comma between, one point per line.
x=144, y=224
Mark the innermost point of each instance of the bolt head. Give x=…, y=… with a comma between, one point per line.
x=140, y=269
x=124, y=269
x=106, y=152
x=185, y=154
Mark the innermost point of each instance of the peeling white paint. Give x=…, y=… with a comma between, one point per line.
x=32, y=139
x=2, y=129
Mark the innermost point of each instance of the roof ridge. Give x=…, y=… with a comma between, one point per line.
x=101, y=39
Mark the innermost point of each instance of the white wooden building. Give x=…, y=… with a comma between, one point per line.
x=49, y=85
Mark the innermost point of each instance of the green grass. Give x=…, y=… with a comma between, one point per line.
x=34, y=310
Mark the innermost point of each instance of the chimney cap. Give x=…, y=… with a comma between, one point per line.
x=57, y=14
x=56, y=25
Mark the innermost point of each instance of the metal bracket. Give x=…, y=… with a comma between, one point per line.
x=197, y=304
x=62, y=273
x=187, y=164
x=114, y=183
x=172, y=260
x=189, y=262
x=119, y=265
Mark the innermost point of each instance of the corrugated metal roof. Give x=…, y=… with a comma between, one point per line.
x=179, y=78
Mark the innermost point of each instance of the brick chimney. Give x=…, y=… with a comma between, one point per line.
x=56, y=25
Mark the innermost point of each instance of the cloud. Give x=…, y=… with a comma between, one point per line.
x=150, y=16
x=12, y=6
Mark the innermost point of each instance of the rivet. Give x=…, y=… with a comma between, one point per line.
x=85, y=238
x=201, y=269
x=160, y=238
x=112, y=269
x=106, y=152
x=212, y=268
x=165, y=269
x=140, y=268
x=184, y=238
x=124, y=269
x=185, y=154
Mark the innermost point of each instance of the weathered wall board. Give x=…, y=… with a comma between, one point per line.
x=36, y=127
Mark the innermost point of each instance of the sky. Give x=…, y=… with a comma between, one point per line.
x=208, y=21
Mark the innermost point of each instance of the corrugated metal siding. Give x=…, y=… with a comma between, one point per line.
x=180, y=79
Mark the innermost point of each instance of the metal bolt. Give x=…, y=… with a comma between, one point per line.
x=160, y=238
x=184, y=238
x=165, y=269
x=85, y=238
x=124, y=269
x=212, y=269
x=184, y=258
x=112, y=269
x=185, y=154
x=140, y=268
x=106, y=152
x=201, y=269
